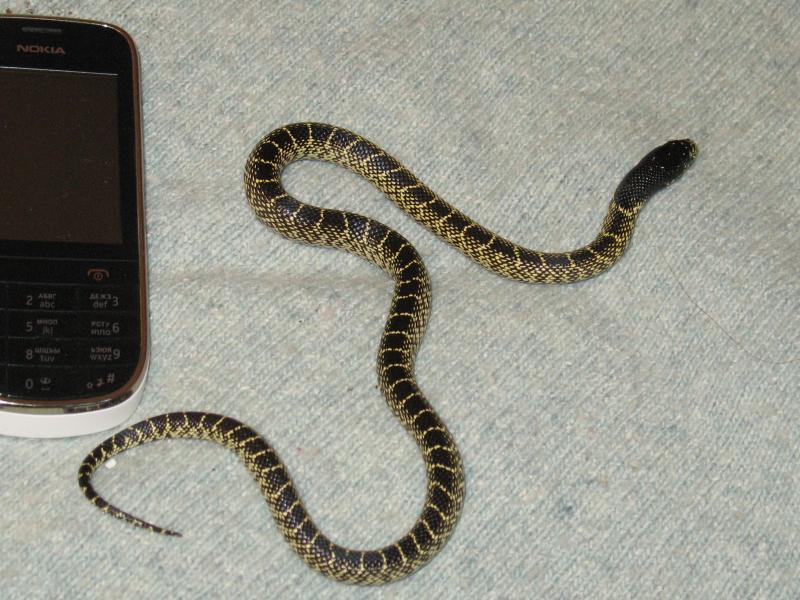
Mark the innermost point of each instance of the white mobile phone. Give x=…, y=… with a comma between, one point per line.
x=73, y=299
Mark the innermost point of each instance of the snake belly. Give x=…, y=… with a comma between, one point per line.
x=402, y=334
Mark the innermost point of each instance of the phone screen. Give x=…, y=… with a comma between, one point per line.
x=60, y=168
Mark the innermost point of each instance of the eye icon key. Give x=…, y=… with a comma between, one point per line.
x=98, y=274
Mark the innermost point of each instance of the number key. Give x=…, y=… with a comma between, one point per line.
x=109, y=325
x=41, y=352
x=108, y=298
x=22, y=323
x=43, y=382
x=42, y=297
x=111, y=352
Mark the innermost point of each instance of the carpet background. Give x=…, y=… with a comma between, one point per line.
x=633, y=436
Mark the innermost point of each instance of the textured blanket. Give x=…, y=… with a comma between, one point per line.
x=632, y=436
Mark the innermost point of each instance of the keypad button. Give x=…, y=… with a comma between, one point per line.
x=111, y=352
x=107, y=299
x=100, y=379
x=41, y=352
x=42, y=297
x=106, y=325
x=44, y=382
x=23, y=323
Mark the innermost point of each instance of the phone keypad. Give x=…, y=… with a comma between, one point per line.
x=69, y=340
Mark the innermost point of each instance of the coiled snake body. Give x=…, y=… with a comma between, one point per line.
x=404, y=328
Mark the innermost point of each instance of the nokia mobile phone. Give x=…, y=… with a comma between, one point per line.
x=73, y=302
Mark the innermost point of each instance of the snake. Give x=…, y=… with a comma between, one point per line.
x=402, y=334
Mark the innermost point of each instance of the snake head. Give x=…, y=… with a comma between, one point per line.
x=668, y=162
x=654, y=172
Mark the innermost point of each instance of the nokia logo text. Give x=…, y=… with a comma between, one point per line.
x=37, y=49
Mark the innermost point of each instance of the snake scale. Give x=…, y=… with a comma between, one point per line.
x=404, y=328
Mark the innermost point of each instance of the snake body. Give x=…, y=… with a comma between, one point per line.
x=402, y=334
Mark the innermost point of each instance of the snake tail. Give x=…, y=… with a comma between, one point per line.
x=371, y=566
x=396, y=355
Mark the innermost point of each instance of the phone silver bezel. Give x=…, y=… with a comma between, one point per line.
x=129, y=392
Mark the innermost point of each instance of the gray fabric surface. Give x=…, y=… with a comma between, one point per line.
x=634, y=436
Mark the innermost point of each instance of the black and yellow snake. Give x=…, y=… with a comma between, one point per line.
x=402, y=334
